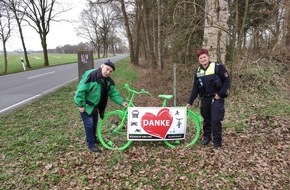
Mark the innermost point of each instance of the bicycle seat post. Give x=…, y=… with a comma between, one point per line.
x=164, y=102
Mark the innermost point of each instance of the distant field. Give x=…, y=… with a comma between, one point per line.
x=36, y=61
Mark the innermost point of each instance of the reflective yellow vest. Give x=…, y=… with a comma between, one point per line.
x=209, y=71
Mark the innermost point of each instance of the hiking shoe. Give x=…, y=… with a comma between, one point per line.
x=95, y=149
x=97, y=141
x=216, y=147
x=205, y=141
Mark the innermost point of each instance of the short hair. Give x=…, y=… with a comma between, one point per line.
x=202, y=51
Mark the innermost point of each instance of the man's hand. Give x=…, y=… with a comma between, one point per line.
x=188, y=106
x=217, y=97
x=82, y=110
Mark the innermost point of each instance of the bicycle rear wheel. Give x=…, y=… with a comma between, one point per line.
x=193, y=128
x=112, y=131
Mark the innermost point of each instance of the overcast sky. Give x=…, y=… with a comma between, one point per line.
x=59, y=34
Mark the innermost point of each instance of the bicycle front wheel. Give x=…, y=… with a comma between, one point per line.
x=193, y=128
x=112, y=131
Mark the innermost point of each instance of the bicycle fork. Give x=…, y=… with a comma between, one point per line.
x=119, y=125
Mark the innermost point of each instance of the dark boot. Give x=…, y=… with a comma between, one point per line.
x=96, y=149
x=205, y=141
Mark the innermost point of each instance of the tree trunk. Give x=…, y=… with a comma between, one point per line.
x=24, y=49
x=148, y=36
x=242, y=28
x=215, y=32
x=5, y=31
x=113, y=49
x=18, y=20
x=159, y=30
x=105, y=47
x=99, y=52
x=45, y=52
x=137, y=23
x=5, y=56
x=287, y=23
x=129, y=34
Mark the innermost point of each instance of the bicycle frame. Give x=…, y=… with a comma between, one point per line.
x=132, y=95
x=119, y=128
x=106, y=138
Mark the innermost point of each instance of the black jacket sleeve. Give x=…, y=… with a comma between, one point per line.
x=195, y=90
x=226, y=81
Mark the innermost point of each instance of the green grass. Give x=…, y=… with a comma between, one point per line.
x=262, y=91
x=34, y=136
x=36, y=61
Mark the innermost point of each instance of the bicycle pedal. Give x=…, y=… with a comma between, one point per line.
x=110, y=143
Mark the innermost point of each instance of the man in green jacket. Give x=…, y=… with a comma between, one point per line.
x=91, y=97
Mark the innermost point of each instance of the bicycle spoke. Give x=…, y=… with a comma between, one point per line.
x=112, y=132
x=193, y=125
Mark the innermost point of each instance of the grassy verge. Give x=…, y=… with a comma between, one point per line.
x=36, y=61
x=259, y=91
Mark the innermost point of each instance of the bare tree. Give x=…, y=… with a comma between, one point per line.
x=106, y=25
x=113, y=40
x=287, y=23
x=133, y=54
x=148, y=31
x=15, y=6
x=119, y=45
x=5, y=30
x=215, y=31
x=98, y=26
x=89, y=27
x=159, y=31
x=39, y=15
x=134, y=15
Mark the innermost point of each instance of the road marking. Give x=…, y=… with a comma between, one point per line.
x=38, y=95
x=19, y=103
x=41, y=75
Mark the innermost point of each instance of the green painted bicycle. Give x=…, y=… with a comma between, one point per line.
x=112, y=129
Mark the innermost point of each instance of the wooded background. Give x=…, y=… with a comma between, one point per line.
x=159, y=31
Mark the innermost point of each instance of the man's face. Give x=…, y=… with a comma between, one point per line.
x=106, y=70
x=203, y=59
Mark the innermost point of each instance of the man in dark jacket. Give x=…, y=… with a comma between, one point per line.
x=91, y=97
x=211, y=83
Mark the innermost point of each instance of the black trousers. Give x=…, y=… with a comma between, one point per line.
x=212, y=111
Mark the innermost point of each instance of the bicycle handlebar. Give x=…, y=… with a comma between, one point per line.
x=142, y=91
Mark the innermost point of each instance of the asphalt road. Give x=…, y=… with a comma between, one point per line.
x=21, y=88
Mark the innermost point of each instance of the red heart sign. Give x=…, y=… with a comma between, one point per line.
x=157, y=125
